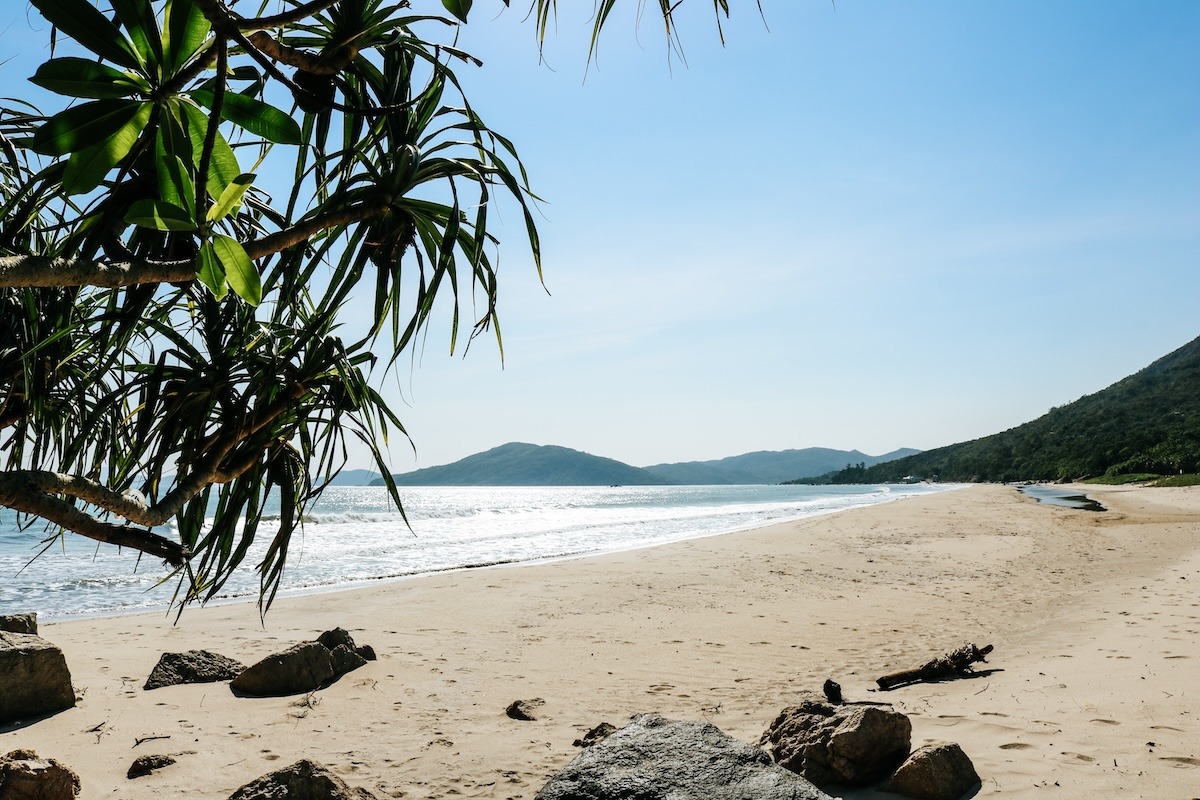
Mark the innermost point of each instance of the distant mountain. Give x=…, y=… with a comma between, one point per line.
x=355, y=477
x=768, y=466
x=518, y=464
x=1148, y=423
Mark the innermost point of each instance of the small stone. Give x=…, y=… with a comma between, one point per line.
x=596, y=735
x=144, y=765
x=523, y=709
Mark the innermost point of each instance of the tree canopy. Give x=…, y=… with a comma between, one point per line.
x=174, y=341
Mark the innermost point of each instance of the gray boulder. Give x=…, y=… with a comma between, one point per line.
x=855, y=745
x=934, y=772
x=304, y=780
x=19, y=623
x=26, y=776
x=194, y=666
x=301, y=668
x=34, y=679
x=653, y=758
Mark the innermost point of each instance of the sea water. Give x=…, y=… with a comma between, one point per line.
x=353, y=536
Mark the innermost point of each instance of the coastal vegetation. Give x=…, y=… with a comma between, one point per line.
x=173, y=338
x=1145, y=427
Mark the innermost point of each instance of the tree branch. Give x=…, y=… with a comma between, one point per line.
x=45, y=272
x=21, y=491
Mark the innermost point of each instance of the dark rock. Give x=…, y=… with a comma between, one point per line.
x=19, y=623
x=833, y=691
x=337, y=636
x=653, y=758
x=854, y=745
x=367, y=652
x=299, y=669
x=523, y=709
x=596, y=735
x=194, y=666
x=25, y=776
x=344, y=660
x=934, y=772
x=304, y=780
x=144, y=765
x=34, y=679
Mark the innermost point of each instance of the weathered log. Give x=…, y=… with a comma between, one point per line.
x=951, y=665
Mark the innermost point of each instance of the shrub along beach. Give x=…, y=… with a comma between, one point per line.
x=1090, y=690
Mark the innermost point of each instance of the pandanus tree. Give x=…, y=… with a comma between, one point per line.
x=173, y=336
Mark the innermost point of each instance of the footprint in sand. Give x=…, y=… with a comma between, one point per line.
x=1105, y=721
x=1078, y=756
x=1182, y=762
x=1165, y=728
x=991, y=714
x=1016, y=746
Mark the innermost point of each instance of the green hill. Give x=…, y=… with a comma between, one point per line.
x=1148, y=423
x=767, y=466
x=519, y=464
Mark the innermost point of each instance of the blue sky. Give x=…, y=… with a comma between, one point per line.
x=862, y=225
x=871, y=226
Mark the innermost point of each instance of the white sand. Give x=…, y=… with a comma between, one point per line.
x=1095, y=619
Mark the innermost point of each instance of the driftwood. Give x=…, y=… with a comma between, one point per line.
x=951, y=665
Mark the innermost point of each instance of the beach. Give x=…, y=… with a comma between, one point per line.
x=1091, y=689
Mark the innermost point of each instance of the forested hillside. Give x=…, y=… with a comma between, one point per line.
x=1148, y=423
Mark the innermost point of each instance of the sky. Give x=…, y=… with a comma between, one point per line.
x=856, y=225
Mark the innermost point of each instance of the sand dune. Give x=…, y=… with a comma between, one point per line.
x=1091, y=690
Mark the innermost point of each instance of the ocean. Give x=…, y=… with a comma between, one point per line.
x=353, y=537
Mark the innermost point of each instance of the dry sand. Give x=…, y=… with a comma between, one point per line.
x=1093, y=688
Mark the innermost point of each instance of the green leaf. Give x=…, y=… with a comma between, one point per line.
x=186, y=30
x=209, y=270
x=254, y=115
x=82, y=126
x=231, y=199
x=459, y=8
x=138, y=18
x=239, y=269
x=223, y=166
x=79, y=77
x=86, y=25
x=87, y=168
x=160, y=216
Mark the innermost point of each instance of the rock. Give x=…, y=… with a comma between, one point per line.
x=934, y=772
x=523, y=709
x=194, y=666
x=34, y=679
x=833, y=691
x=367, y=652
x=596, y=735
x=304, y=780
x=19, y=623
x=337, y=636
x=25, y=776
x=144, y=765
x=344, y=660
x=299, y=669
x=653, y=758
x=855, y=745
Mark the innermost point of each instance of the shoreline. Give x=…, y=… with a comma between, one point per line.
x=1094, y=618
x=335, y=586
